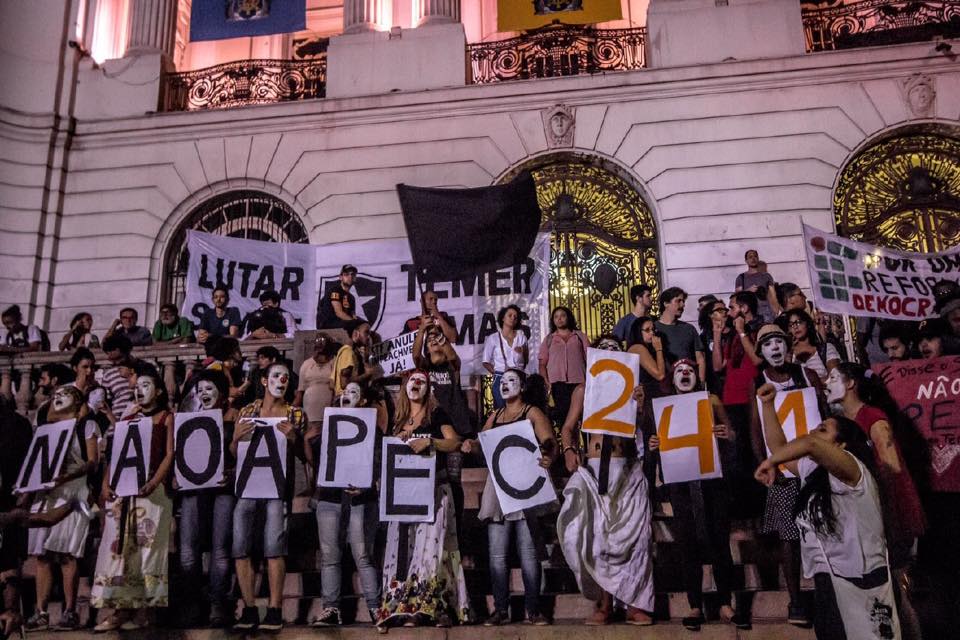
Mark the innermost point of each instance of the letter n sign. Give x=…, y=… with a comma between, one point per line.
x=45, y=457
x=407, y=483
x=513, y=458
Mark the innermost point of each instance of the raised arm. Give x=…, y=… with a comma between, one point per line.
x=834, y=459
x=772, y=429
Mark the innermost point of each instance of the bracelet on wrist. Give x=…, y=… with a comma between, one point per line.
x=570, y=448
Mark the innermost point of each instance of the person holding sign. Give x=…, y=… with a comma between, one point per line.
x=433, y=589
x=702, y=503
x=524, y=526
x=273, y=535
x=131, y=571
x=65, y=542
x=843, y=546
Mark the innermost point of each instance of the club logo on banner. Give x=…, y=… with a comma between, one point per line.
x=262, y=461
x=866, y=280
x=130, y=456
x=407, y=483
x=798, y=412
x=45, y=457
x=688, y=448
x=370, y=292
x=608, y=404
x=928, y=392
x=513, y=458
x=198, y=449
x=346, y=458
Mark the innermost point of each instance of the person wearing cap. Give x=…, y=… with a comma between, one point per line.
x=930, y=338
x=338, y=306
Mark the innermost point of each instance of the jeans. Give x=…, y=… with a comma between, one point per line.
x=498, y=539
x=206, y=515
x=361, y=536
x=273, y=533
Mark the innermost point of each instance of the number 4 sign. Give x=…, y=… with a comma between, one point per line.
x=688, y=448
x=608, y=404
x=797, y=411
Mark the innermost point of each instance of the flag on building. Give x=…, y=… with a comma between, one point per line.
x=457, y=233
x=221, y=19
x=520, y=15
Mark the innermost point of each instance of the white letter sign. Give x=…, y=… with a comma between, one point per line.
x=262, y=461
x=130, y=456
x=198, y=449
x=45, y=457
x=348, y=439
x=407, y=483
x=608, y=404
x=395, y=355
x=798, y=412
x=688, y=448
x=513, y=458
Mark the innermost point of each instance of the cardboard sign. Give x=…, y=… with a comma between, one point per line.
x=130, y=456
x=198, y=449
x=688, y=448
x=262, y=461
x=407, y=483
x=395, y=356
x=45, y=457
x=608, y=404
x=348, y=439
x=798, y=412
x=928, y=392
x=513, y=457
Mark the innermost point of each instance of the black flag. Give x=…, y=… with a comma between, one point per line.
x=456, y=233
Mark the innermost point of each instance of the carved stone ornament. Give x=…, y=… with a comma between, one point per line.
x=558, y=124
x=920, y=94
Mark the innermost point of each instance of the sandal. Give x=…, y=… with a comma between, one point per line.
x=111, y=623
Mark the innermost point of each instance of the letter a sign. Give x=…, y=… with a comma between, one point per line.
x=513, y=458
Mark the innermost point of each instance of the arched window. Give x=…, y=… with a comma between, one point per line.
x=252, y=215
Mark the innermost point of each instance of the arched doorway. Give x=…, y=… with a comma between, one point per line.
x=248, y=214
x=604, y=237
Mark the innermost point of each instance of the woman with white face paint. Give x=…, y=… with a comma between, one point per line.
x=433, y=591
x=132, y=573
x=525, y=527
x=65, y=542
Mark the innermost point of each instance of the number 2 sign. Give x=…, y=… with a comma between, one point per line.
x=688, y=448
x=608, y=404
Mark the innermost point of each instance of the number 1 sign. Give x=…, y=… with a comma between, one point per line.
x=608, y=404
x=688, y=448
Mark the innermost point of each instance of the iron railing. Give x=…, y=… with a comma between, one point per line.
x=557, y=50
x=246, y=82
x=829, y=26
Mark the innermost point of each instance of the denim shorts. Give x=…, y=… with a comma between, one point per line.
x=252, y=516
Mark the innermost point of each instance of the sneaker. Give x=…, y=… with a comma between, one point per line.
x=219, y=618
x=693, y=623
x=538, y=620
x=329, y=617
x=273, y=621
x=39, y=621
x=69, y=621
x=797, y=616
x=498, y=618
x=373, y=616
x=248, y=621
x=741, y=621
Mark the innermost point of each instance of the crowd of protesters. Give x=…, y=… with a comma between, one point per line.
x=848, y=505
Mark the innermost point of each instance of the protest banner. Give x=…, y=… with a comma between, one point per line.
x=512, y=452
x=198, y=449
x=395, y=356
x=130, y=456
x=798, y=412
x=407, y=483
x=346, y=454
x=862, y=279
x=48, y=450
x=608, y=404
x=262, y=461
x=928, y=392
x=688, y=448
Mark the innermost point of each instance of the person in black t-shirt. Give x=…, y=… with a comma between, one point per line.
x=338, y=306
x=432, y=316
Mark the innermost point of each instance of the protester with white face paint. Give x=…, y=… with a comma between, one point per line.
x=434, y=590
x=361, y=507
x=132, y=573
x=703, y=503
x=65, y=542
x=275, y=380
x=525, y=526
x=206, y=515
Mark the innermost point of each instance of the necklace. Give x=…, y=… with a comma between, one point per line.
x=515, y=415
x=416, y=415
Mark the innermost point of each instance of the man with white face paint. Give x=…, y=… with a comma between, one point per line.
x=275, y=379
x=64, y=543
x=703, y=504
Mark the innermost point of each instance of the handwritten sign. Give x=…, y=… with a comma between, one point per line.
x=608, y=403
x=45, y=457
x=513, y=457
x=198, y=449
x=798, y=412
x=262, y=461
x=395, y=355
x=130, y=456
x=346, y=458
x=688, y=448
x=407, y=483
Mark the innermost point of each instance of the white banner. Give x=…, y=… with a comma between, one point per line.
x=45, y=457
x=198, y=449
x=688, y=448
x=798, y=412
x=247, y=268
x=513, y=457
x=862, y=279
x=130, y=456
x=346, y=452
x=262, y=461
x=608, y=403
x=395, y=355
x=407, y=483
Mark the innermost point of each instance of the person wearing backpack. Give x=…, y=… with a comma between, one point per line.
x=18, y=337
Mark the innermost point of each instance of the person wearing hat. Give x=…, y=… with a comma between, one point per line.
x=338, y=306
x=773, y=346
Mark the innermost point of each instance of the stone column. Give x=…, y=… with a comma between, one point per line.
x=24, y=394
x=360, y=16
x=437, y=12
x=153, y=27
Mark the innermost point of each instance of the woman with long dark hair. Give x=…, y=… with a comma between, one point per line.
x=838, y=510
x=807, y=347
x=505, y=349
x=563, y=360
x=80, y=334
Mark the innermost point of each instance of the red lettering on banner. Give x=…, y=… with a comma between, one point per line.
x=892, y=305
